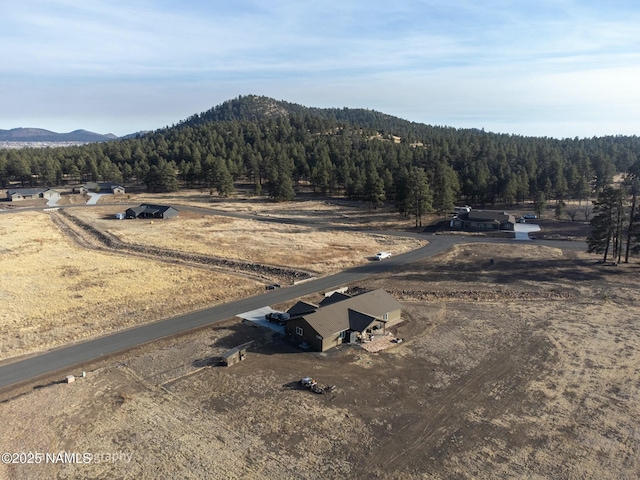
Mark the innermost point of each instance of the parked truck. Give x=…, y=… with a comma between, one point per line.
x=279, y=318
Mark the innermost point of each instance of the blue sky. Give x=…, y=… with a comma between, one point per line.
x=561, y=68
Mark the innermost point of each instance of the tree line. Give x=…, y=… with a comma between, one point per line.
x=280, y=147
x=615, y=226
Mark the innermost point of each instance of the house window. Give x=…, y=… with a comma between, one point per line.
x=299, y=331
x=343, y=334
x=385, y=316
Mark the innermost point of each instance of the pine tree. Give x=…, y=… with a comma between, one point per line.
x=373, y=187
x=223, y=179
x=418, y=194
x=445, y=188
x=162, y=177
x=606, y=224
x=540, y=204
x=280, y=183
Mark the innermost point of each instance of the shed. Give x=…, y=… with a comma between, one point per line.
x=236, y=354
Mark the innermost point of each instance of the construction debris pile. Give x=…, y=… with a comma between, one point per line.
x=311, y=384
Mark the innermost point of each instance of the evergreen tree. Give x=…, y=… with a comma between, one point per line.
x=223, y=179
x=540, y=204
x=322, y=171
x=559, y=209
x=418, y=194
x=373, y=187
x=280, y=183
x=162, y=177
x=445, y=188
x=606, y=224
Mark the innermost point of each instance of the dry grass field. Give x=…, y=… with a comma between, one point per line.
x=316, y=248
x=335, y=212
x=54, y=292
x=525, y=367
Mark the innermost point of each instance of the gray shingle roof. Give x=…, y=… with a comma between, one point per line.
x=487, y=216
x=333, y=298
x=26, y=191
x=353, y=313
x=302, y=308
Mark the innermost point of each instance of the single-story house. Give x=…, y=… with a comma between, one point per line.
x=479, y=220
x=18, y=194
x=151, y=211
x=105, y=187
x=344, y=321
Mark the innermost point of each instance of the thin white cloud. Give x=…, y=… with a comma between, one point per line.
x=459, y=59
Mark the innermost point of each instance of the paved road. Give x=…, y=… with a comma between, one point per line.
x=66, y=357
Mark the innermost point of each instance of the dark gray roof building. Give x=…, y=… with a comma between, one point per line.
x=147, y=210
x=344, y=320
x=483, y=220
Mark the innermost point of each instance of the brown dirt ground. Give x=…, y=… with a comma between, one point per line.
x=524, y=368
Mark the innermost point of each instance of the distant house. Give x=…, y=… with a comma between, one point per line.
x=151, y=211
x=479, y=220
x=20, y=194
x=51, y=194
x=104, y=187
x=346, y=320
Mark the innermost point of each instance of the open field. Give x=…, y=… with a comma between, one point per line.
x=313, y=248
x=336, y=212
x=54, y=292
x=524, y=367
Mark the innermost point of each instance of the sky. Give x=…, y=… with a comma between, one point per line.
x=555, y=68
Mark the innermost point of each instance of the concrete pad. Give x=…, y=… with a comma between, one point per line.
x=257, y=316
x=94, y=197
x=522, y=230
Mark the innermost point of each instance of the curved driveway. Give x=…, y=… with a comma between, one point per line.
x=28, y=369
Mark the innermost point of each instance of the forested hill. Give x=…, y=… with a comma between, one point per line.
x=254, y=108
x=282, y=147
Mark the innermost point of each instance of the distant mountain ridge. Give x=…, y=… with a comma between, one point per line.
x=41, y=135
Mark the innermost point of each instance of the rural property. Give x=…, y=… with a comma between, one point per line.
x=517, y=360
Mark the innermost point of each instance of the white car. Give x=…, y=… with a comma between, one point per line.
x=382, y=255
